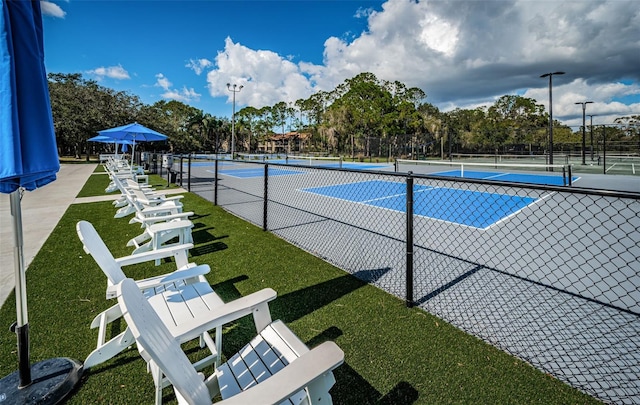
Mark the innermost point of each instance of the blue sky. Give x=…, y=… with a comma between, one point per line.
x=461, y=53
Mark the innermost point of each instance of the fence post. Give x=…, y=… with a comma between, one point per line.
x=604, y=149
x=266, y=196
x=189, y=174
x=215, y=183
x=181, y=162
x=409, y=219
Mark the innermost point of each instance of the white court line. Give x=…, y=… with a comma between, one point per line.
x=386, y=197
x=497, y=175
x=537, y=200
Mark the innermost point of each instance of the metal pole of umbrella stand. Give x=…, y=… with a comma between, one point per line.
x=48, y=381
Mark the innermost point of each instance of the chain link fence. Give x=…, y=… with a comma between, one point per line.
x=548, y=274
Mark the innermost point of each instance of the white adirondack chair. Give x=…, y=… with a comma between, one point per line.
x=144, y=200
x=276, y=367
x=120, y=168
x=162, y=223
x=158, y=235
x=181, y=299
x=125, y=185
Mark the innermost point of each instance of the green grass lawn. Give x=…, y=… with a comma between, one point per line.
x=393, y=355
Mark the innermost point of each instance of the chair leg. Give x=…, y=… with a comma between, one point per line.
x=138, y=240
x=109, y=349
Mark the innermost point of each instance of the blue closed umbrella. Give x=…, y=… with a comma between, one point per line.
x=29, y=160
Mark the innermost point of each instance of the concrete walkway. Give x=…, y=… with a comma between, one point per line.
x=41, y=212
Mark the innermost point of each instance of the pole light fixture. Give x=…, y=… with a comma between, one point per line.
x=584, y=109
x=550, y=76
x=234, y=88
x=591, y=133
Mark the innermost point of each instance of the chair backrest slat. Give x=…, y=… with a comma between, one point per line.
x=153, y=337
x=94, y=245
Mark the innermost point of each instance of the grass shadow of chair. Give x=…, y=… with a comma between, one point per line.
x=294, y=305
x=207, y=248
x=353, y=389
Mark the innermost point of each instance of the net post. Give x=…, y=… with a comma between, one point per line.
x=395, y=165
x=266, y=195
x=409, y=254
x=570, y=179
x=461, y=169
x=340, y=160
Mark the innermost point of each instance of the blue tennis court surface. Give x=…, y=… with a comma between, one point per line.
x=206, y=164
x=548, y=179
x=471, y=208
x=333, y=164
x=257, y=171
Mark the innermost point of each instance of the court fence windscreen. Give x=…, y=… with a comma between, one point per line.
x=550, y=274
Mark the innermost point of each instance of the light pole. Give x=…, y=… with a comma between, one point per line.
x=584, y=109
x=591, y=133
x=550, y=75
x=234, y=89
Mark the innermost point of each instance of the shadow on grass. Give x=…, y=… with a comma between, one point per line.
x=351, y=388
x=207, y=248
x=294, y=305
x=202, y=234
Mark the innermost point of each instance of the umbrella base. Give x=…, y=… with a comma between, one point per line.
x=52, y=381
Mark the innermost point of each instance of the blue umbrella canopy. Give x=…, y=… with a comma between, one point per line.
x=107, y=139
x=115, y=142
x=134, y=132
x=29, y=159
x=27, y=141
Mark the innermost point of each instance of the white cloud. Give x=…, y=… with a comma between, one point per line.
x=162, y=81
x=464, y=54
x=604, y=96
x=363, y=12
x=266, y=76
x=184, y=95
x=112, y=72
x=52, y=9
x=199, y=65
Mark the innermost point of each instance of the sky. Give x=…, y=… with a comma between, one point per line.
x=461, y=53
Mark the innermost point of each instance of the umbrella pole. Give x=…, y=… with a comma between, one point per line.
x=53, y=379
x=22, y=325
x=133, y=152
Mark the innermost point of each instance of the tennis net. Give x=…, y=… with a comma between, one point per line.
x=320, y=161
x=555, y=174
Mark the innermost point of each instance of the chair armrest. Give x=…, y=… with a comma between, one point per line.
x=183, y=274
x=153, y=255
x=297, y=375
x=170, y=278
x=218, y=316
x=155, y=209
x=172, y=198
x=152, y=219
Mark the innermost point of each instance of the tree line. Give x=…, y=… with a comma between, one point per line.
x=363, y=116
